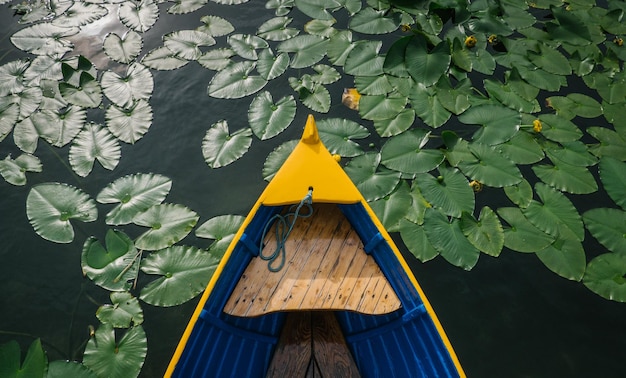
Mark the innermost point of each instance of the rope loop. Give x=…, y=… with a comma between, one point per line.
x=284, y=226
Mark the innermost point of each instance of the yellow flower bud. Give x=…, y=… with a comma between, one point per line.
x=470, y=41
x=537, y=126
x=618, y=41
x=476, y=186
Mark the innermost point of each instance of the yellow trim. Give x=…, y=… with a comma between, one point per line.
x=309, y=165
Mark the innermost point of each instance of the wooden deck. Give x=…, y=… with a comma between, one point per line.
x=326, y=269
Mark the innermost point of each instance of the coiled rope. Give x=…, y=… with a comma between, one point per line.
x=284, y=226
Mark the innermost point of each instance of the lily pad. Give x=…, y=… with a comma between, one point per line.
x=556, y=216
x=269, y=66
x=235, y=81
x=12, y=77
x=575, y=104
x=245, y=45
x=424, y=65
x=129, y=124
x=425, y=102
x=337, y=134
x=364, y=60
x=50, y=206
x=396, y=125
x=186, y=6
x=613, y=179
x=316, y=8
x=605, y=276
x=499, y=124
x=139, y=16
x=14, y=171
x=450, y=192
x=34, y=365
x=448, y=239
x=168, y=223
x=220, y=147
x=44, y=39
x=559, y=129
x=108, y=357
x=372, y=21
x=87, y=94
x=406, y=153
x=379, y=108
x=62, y=369
x=123, y=311
x=222, y=229
x=91, y=144
x=608, y=226
x=164, y=59
x=216, y=59
x=80, y=14
x=566, y=177
x=136, y=84
x=215, y=26
x=565, y=257
x=113, y=267
x=522, y=236
x=491, y=168
x=133, y=194
x=276, y=29
x=307, y=49
x=276, y=158
x=520, y=194
x=414, y=237
x=486, y=233
x=268, y=119
x=392, y=208
x=372, y=182
x=123, y=49
x=522, y=148
x=184, y=273
x=59, y=127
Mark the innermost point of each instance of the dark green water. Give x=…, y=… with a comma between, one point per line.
x=509, y=317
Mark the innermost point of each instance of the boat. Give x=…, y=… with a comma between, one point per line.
x=313, y=285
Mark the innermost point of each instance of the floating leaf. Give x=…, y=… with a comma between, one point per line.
x=123, y=311
x=184, y=273
x=25, y=135
x=449, y=192
x=137, y=84
x=405, y=153
x=9, y=114
x=491, y=168
x=129, y=125
x=337, y=135
x=424, y=66
x=550, y=60
x=80, y=14
x=113, y=267
x=222, y=229
x=276, y=158
x=59, y=127
x=499, y=124
x=339, y=47
x=372, y=184
x=363, y=59
x=134, y=194
x=245, y=45
x=379, y=108
x=520, y=194
x=12, y=77
x=322, y=28
x=507, y=95
x=34, y=365
x=396, y=125
x=392, y=208
x=269, y=66
x=559, y=129
x=426, y=104
x=522, y=148
x=372, y=21
x=186, y=6
x=373, y=85
x=307, y=49
x=325, y=74
x=611, y=143
x=123, y=49
x=215, y=26
x=62, y=369
x=573, y=153
x=44, y=39
x=448, y=239
x=605, y=276
x=91, y=144
x=414, y=237
x=613, y=179
x=522, y=236
x=282, y=7
x=575, y=104
x=316, y=8
x=418, y=205
x=565, y=257
x=486, y=233
x=164, y=59
x=123, y=359
x=14, y=171
x=235, y=81
x=268, y=119
x=276, y=29
x=568, y=28
x=566, y=177
x=608, y=226
x=50, y=206
x=221, y=148
x=557, y=215
x=169, y=223
x=216, y=59
x=139, y=16
x=87, y=94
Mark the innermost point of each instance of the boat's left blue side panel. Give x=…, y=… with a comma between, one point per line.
x=221, y=345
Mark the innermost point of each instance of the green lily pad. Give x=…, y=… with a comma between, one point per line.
x=425, y=102
x=557, y=215
x=276, y=158
x=168, y=223
x=392, y=208
x=373, y=85
x=337, y=134
x=379, y=108
x=133, y=194
x=80, y=14
x=486, y=233
x=63, y=369
x=371, y=182
x=108, y=357
x=9, y=115
x=506, y=94
x=449, y=192
x=12, y=77
x=276, y=29
x=184, y=273
x=307, y=49
x=220, y=147
x=50, y=206
x=372, y=21
x=163, y=59
x=44, y=39
x=59, y=127
x=608, y=226
x=34, y=365
x=611, y=143
x=406, y=153
x=136, y=84
x=520, y=194
x=322, y=28
x=317, y=100
x=123, y=311
x=448, y=239
x=566, y=177
x=269, y=66
x=522, y=236
x=268, y=119
x=222, y=229
x=565, y=257
x=91, y=144
x=123, y=49
x=325, y=74
x=235, y=81
x=550, y=60
x=113, y=267
x=568, y=27
x=316, y=8
x=424, y=65
x=414, y=238
x=559, y=129
x=216, y=59
x=215, y=26
x=613, y=179
x=246, y=45
x=14, y=171
x=419, y=204
x=339, y=47
x=140, y=16
x=396, y=125
x=575, y=104
x=573, y=153
x=186, y=6
x=186, y=43
x=499, y=124
x=605, y=276
x=491, y=168
x=522, y=148
x=87, y=94
x=129, y=124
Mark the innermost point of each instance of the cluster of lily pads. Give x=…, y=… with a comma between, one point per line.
x=447, y=90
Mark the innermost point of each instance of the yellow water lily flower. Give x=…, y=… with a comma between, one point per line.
x=618, y=41
x=492, y=39
x=350, y=98
x=476, y=186
x=470, y=41
x=405, y=28
x=537, y=126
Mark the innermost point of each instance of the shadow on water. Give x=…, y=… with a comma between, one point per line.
x=507, y=315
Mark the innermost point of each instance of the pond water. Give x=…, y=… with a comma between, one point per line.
x=509, y=316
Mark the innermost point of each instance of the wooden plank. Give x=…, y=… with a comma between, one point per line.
x=293, y=353
x=330, y=350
